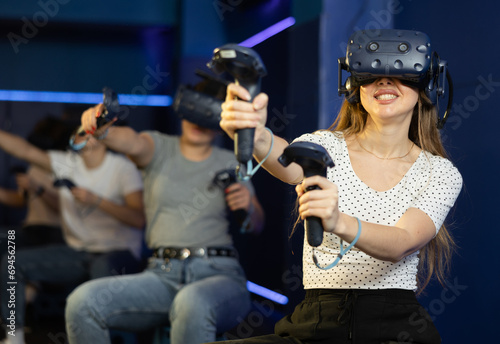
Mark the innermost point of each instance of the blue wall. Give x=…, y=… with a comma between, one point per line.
x=62, y=45
x=465, y=34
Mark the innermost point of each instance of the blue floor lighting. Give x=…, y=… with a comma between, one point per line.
x=267, y=293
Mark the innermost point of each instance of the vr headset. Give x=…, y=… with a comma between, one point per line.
x=201, y=104
x=403, y=54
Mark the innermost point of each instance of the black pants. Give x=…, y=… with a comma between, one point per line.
x=354, y=316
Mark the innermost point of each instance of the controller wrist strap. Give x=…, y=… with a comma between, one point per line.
x=76, y=147
x=250, y=170
x=342, y=252
x=247, y=226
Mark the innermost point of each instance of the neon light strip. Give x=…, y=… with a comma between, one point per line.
x=269, y=32
x=267, y=293
x=82, y=98
x=127, y=99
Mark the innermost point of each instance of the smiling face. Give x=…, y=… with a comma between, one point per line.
x=388, y=100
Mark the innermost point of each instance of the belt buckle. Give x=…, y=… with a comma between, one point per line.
x=159, y=253
x=199, y=252
x=184, y=253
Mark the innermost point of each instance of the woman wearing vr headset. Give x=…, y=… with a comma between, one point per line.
x=388, y=194
x=194, y=281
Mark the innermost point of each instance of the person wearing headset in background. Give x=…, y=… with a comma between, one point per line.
x=102, y=218
x=388, y=195
x=194, y=280
x=36, y=193
x=35, y=190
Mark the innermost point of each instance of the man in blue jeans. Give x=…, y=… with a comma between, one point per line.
x=194, y=280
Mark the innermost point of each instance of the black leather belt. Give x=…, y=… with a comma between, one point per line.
x=186, y=252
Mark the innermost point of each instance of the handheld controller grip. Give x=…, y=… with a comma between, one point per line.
x=245, y=65
x=243, y=138
x=223, y=179
x=64, y=182
x=111, y=108
x=314, y=227
x=314, y=160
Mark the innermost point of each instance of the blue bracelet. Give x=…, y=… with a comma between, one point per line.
x=77, y=146
x=342, y=250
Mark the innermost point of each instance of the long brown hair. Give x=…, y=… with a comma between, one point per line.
x=435, y=257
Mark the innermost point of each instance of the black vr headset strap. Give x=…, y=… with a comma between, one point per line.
x=342, y=88
x=346, y=89
x=441, y=121
x=439, y=77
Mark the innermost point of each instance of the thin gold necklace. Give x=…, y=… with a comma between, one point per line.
x=381, y=158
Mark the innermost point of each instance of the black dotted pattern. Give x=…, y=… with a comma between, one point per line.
x=432, y=185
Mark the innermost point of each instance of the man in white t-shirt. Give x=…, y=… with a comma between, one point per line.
x=102, y=219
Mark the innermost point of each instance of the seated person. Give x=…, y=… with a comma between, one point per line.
x=35, y=190
x=387, y=197
x=102, y=220
x=194, y=280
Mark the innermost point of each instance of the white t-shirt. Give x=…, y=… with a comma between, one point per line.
x=432, y=184
x=87, y=227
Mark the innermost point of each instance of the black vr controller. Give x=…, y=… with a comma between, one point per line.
x=403, y=54
x=245, y=65
x=314, y=160
x=111, y=108
x=223, y=179
x=64, y=182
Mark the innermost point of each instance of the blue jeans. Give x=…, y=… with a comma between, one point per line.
x=198, y=296
x=58, y=264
